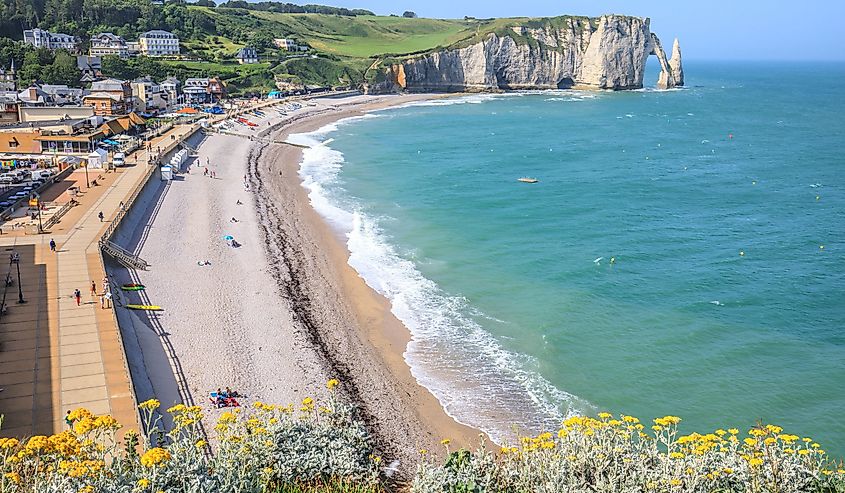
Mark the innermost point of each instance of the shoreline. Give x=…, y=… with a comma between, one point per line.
x=379, y=338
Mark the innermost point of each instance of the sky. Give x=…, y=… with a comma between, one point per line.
x=707, y=29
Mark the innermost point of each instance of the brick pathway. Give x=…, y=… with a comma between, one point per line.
x=54, y=355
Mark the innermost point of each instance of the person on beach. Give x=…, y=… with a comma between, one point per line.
x=68, y=420
x=52, y=245
x=101, y=216
x=78, y=295
x=205, y=173
x=93, y=289
x=239, y=202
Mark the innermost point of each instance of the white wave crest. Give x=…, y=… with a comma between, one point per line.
x=476, y=380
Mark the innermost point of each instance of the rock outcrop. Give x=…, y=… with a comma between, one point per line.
x=675, y=64
x=609, y=52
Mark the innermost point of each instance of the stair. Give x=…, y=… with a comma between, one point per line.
x=123, y=256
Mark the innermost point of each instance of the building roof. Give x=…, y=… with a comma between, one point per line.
x=110, y=36
x=40, y=124
x=107, y=85
x=102, y=95
x=247, y=52
x=158, y=33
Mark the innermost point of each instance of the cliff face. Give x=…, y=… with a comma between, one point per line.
x=605, y=53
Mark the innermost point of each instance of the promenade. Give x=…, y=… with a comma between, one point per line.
x=56, y=355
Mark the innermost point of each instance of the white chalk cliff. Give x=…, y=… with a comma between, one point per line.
x=609, y=52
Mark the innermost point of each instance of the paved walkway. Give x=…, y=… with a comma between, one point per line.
x=57, y=355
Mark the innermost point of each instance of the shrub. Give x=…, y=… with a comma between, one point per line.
x=612, y=454
x=309, y=448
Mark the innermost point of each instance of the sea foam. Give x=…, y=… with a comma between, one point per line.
x=476, y=380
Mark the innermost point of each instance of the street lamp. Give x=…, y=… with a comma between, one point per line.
x=17, y=260
x=87, y=184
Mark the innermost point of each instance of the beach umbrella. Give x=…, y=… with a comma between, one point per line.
x=228, y=237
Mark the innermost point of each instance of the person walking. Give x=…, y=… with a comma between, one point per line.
x=52, y=245
x=101, y=216
x=78, y=296
x=93, y=289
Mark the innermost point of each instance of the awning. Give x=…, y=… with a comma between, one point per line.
x=110, y=142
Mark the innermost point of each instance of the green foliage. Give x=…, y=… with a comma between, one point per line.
x=48, y=67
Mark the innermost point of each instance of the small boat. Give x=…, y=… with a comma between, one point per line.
x=151, y=308
x=528, y=180
x=132, y=287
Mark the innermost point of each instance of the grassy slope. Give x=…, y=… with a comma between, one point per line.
x=347, y=45
x=368, y=36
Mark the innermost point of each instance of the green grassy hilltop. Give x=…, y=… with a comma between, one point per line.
x=345, y=46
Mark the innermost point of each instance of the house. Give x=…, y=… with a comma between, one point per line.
x=289, y=44
x=8, y=78
x=9, y=104
x=40, y=38
x=90, y=67
x=108, y=44
x=148, y=96
x=159, y=43
x=170, y=87
x=247, y=55
x=78, y=136
x=33, y=95
x=54, y=113
x=216, y=89
x=105, y=104
x=60, y=94
x=109, y=97
x=195, y=90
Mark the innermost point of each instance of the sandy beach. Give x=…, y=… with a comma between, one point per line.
x=278, y=316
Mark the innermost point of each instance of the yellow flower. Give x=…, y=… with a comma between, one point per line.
x=13, y=476
x=733, y=431
x=675, y=482
x=106, y=422
x=750, y=442
x=308, y=402
x=201, y=443
x=676, y=455
x=154, y=457
x=143, y=482
x=150, y=404
x=423, y=451
x=178, y=408
x=7, y=443
x=86, y=489
x=79, y=413
x=331, y=384
x=38, y=443
x=605, y=415
x=754, y=462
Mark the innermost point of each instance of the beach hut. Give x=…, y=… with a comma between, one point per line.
x=166, y=173
x=98, y=159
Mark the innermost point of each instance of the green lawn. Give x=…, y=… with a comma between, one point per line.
x=368, y=36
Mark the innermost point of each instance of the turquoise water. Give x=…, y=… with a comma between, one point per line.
x=513, y=320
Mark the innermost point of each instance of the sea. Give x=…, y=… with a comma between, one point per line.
x=683, y=252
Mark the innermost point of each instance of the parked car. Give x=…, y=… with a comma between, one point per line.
x=6, y=179
x=119, y=159
x=6, y=203
x=23, y=173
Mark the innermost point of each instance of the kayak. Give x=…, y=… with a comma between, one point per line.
x=152, y=308
x=132, y=287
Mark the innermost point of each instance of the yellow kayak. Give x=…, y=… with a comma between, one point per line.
x=152, y=308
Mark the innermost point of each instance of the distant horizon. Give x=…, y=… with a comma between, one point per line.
x=720, y=30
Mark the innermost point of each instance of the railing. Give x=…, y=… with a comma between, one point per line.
x=57, y=216
x=124, y=256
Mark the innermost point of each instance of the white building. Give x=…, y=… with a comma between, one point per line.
x=159, y=43
x=195, y=90
x=170, y=88
x=285, y=44
x=247, y=55
x=40, y=38
x=108, y=44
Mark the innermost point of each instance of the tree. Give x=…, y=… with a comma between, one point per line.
x=205, y=3
x=409, y=14
x=63, y=70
